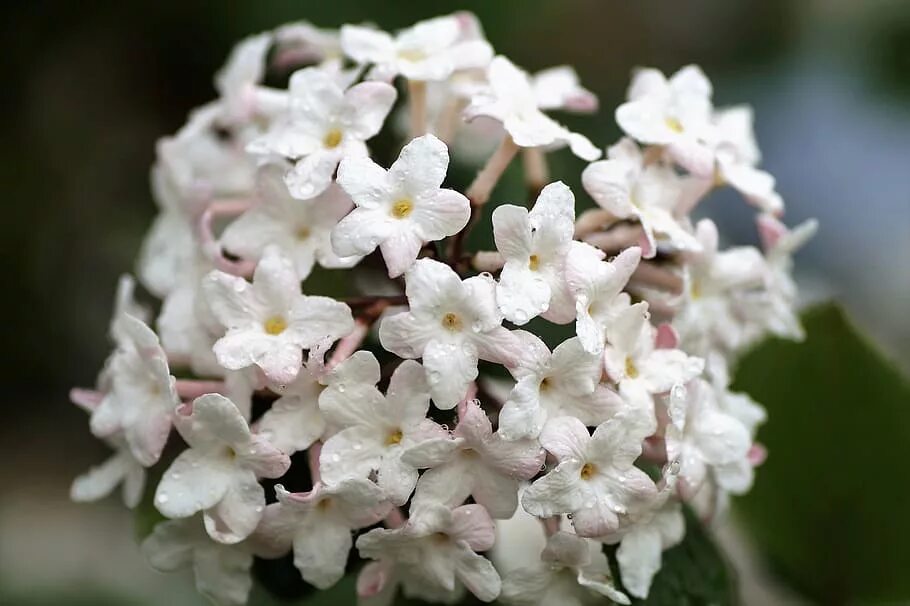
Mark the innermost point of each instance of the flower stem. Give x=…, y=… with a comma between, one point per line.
x=537, y=172
x=417, y=98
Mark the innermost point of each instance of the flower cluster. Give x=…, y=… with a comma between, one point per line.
x=419, y=414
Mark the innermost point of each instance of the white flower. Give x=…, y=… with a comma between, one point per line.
x=400, y=209
x=121, y=469
x=222, y=572
x=737, y=155
x=707, y=438
x=319, y=523
x=142, y=395
x=237, y=80
x=675, y=113
x=218, y=474
x=534, y=245
x=475, y=462
x=597, y=287
x=305, y=43
x=301, y=229
x=571, y=570
x=564, y=383
x=451, y=324
x=595, y=479
x=639, y=368
x=429, y=50
x=510, y=99
x=639, y=553
x=294, y=420
x=559, y=88
x=438, y=545
x=712, y=315
x=324, y=123
x=375, y=430
x=628, y=189
x=269, y=321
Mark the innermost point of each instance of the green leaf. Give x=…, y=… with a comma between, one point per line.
x=694, y=573
x=829, y=510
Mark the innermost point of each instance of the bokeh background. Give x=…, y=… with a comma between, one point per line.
x=91, y=85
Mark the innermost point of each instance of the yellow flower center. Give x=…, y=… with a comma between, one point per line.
x=402, y=208
x=451, y=321
x=546, y=384
x=324, y=504
x=673, y=124
x=303, y=233
x=230, y=453
x=332, y=138
x=695, y=291
x=275, y=325
x=394, y=438
x=533, y=262
x=631, y=369
x=587, y=471
x=412, y=54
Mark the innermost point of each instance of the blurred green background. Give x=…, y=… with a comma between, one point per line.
x=91, y=85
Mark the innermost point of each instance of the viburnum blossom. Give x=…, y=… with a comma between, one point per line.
x=333, y=324
x=571, y=570
x=534, y=245
x=401, y=209
x=323, y=124
x=218, y=473
x=595, y=478
x=451, y=324
x=429, y=50
x=269, y=321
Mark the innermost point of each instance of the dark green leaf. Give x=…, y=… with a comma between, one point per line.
x=829, y=510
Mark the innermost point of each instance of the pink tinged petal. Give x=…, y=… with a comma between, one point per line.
x=400, y=249
x=230, y=299
x=756, y=185
x=321, y=550
x=519, y=459
x=365, y=181
x=498, y=345
x=497, y=492
x=644, y=120
x=360, y=232
x=214, y=421
x=366, y=44
x=512, y=232
x=566, y=438
x=372, y=102
x=374, y=579
x=405, y=334
x=408, y=394
x=313, y=319
x=522, y=416
x=449, y=484
x=147, y=434
x=692, y=155
x=396, y=478
x=101, y=480
x=352, y=452
x=439, y=214
x=421, y=167
x=312, y=174
x=431, y=453
x=450, y=368
x=473, y=525
x=223, y=574
x=668, y=367
x=639, y=558
x=278, y=359
x=292, y=424
x=522, y=294
x=609, y=183
x=192, y=483
x=478, y=575
x=595, y=519
x=473, y=425
x=170, y=545
x=238, y=512
x=263, y=458
x=667, y=337
x=560, y=491
x=430, y=283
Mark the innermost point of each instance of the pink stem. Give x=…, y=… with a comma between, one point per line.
x=649, y=274
x=313, y=461
x=349, y=344
x=550, y=525
x=210, y=245
x=189, y=389
x=395, y=519
x=479, y=191
x=87, y=399
x=618, y=238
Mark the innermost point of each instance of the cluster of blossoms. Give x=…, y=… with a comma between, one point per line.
x=424, y=421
